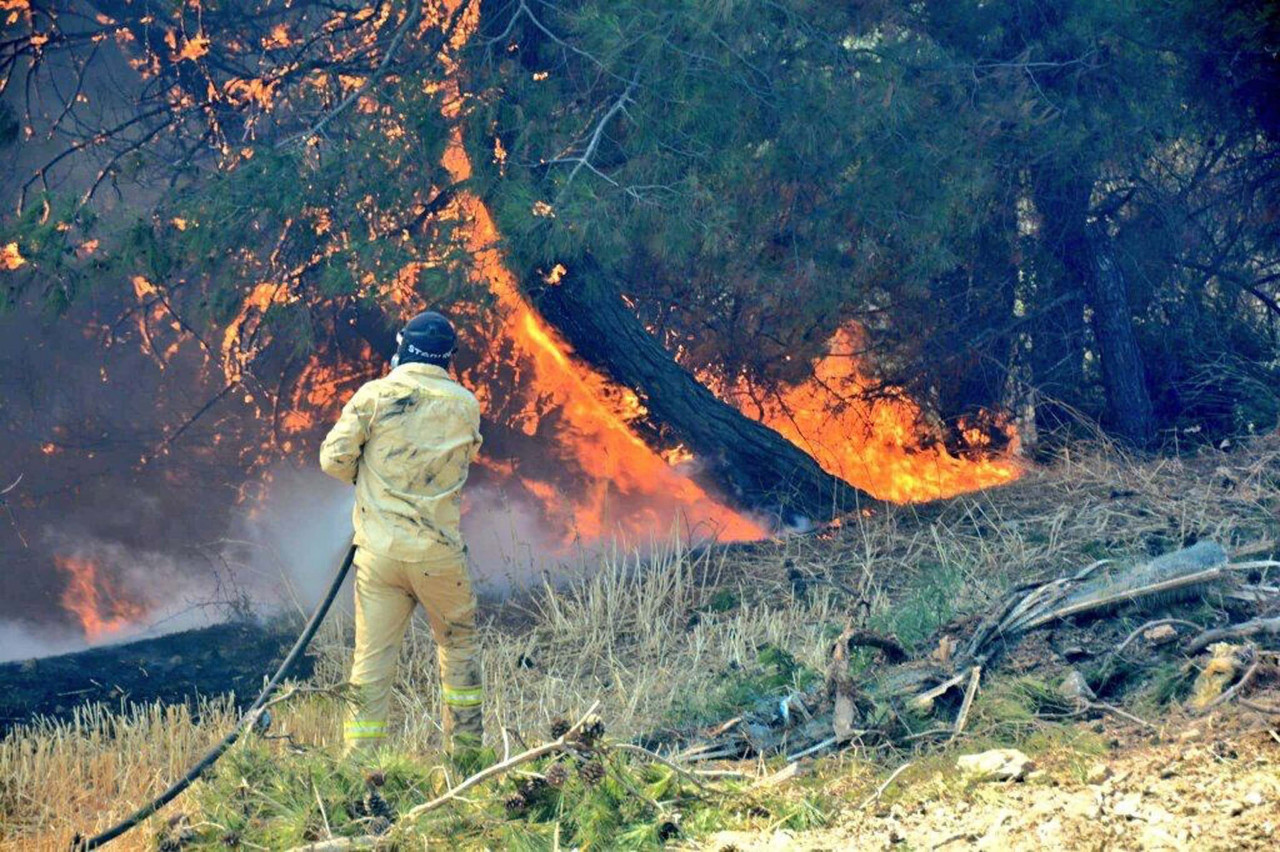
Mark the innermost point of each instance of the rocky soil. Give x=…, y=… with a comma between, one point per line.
x=1197, y=783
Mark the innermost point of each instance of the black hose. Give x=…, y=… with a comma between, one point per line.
x=250, y=716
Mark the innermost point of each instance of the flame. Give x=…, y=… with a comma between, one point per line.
x=102, y=609
x=876, y=444
x=591, y=428
x=602, y=478
x=11, y=258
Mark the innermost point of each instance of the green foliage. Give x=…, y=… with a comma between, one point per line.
x=724, y=600
x=263, y=796
x=752, y=175
x=1009, y=710
x=926, y=169
x=775, y=673
x=930, y=601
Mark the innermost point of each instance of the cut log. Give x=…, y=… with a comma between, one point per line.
x=754, y=466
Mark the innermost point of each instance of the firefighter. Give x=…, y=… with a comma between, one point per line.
x=406, y=441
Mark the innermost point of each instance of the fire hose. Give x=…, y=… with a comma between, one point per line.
x=248, y=719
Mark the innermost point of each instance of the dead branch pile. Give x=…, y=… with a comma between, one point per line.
x=1220, y=619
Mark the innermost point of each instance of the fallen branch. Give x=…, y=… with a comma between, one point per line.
x=893, y=650
x=875, y=797
x=975, y=675
x=366, y=841
x=1236, y=631
x=1125, y=596
x=1235, y=689
x=641, y=750
x=925, y=699
x=1150, y=625
x=732, y=774
x=499, y=768
x=1261, y=708
x=814, y=749
x=1123, y=714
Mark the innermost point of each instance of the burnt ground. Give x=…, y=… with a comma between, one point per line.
x=176, y=668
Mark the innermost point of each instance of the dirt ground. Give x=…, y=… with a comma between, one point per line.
x=1196, y=784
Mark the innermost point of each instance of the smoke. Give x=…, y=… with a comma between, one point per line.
x=288, y=543
x=508, y=540
x=116, y=593
x=280, y=552
x=20, y=640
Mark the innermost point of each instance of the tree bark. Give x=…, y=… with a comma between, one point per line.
x=1058, y=335
x=1088, y=267
x=755, y=467
x=1123, y=374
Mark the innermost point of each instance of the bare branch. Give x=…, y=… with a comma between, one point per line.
x=619, y=105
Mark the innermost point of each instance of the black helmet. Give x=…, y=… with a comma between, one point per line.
x=429, y=338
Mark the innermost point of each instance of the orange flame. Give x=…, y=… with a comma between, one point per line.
x=102, y=609
x=620, y=484
x=875, y=444
x=592, y=424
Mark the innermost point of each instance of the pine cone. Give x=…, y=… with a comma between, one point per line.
x=376, y=806
x=557, y=774
x=516, y=804
x=532, y=788
x=592, y=772
x=559, y=727
x=591, y=730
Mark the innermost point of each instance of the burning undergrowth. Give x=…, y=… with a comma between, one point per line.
x=566, y=466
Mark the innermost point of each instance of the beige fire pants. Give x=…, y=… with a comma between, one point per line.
x=387, y=590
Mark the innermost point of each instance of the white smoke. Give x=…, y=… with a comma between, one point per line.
x=281, y=551
x=172, y=592
x=287, y=545
x=280, y=554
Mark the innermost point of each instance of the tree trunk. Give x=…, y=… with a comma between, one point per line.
x=1058, y=334
x=754, y=466
x=1123, y=375
x=1088, y=266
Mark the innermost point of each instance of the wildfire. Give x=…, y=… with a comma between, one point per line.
x=877, y=444
x=101, y=608
x=11, y=258
x=632, y=489
x=599, y=478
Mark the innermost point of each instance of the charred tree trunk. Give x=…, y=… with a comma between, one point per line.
x=755, y=466
x=1123, y=375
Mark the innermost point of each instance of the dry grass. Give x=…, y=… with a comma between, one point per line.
x=650, y=637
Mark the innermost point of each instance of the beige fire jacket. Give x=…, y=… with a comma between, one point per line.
x=406, y=441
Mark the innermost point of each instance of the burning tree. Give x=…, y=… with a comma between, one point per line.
x=871, y=228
